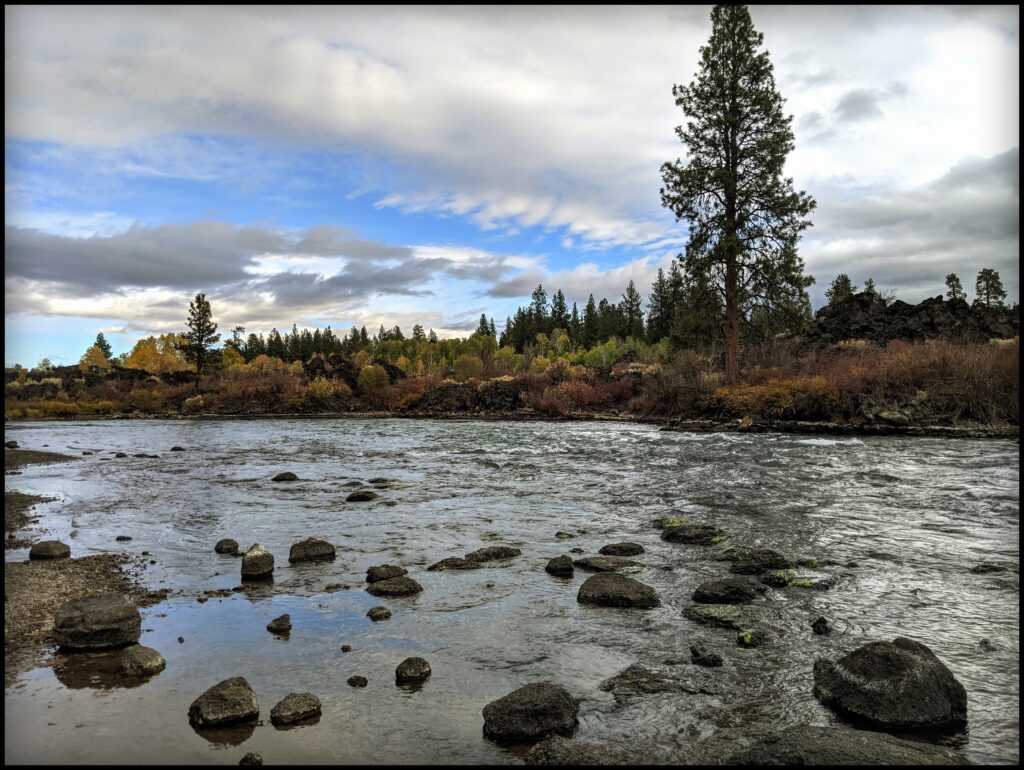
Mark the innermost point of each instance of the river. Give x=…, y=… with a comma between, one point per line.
x=911, y=517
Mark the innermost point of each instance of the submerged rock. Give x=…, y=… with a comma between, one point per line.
x=577, y=549
x=137, y=660
x=453, y=562
x=294, y=708
x=280, y=625
x=722, y=615
x=668, y=522
x=777, y=578
x=361, y=496
x=561, y=566
x=177, y=449
x=693, y=534
x=93, y=622
x=564, y=535
x=384, y=572
x=611, y=589
x=257, y=562
x=232, y=700
x=49, y=549
x=556, y=750
x=621, y=549
x=311, y=549
x=286, y=476
x=702, y=656
x=379, y=613
x=821, y=626
x=604, y=563
x=753, y=637
x=412, y=670
x=396, y=586
x=726, y=591
x=532, y=712
x=994, y=566
x=493, y=553
x=822, y=746
x=759, y=560
x=892, y=685
x=639, y=680
x=227, y=545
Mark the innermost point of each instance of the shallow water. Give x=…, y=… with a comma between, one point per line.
x=914, y=514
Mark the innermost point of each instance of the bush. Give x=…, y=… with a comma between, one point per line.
x=467, y=367
x=373, y=378
x=808, y=398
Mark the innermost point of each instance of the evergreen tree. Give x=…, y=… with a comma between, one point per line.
x=418, y=334
x=956, y=289
x=698, y=319
x=575, y=327
x=201, y=335
x=744, y=217
x=275, y=345
x=658, y=319
x=432, y=337
x=988, y=289
x=492, y=329
x=632, y=312
x=559, y=312
x=237, y=342
x=504, y=340
x=869, y=287
x=841, y=288
x=483, y=328
x=589, y=336
x=364, y=338
x=104, y=346
x=540, y=318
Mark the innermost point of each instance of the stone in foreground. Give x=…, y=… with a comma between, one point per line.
x=49, y=549
x=232, y=700
x=227, y=545
x=561, y=566
x=530, y=713
x=822, y=746
x=357, y=681
x=257, y=562
x=107, y=620
x=396, y=586
x=897, y=685
x=311, y=549
x=621, y=549
x=384, y=572
x=610, y=589
x=821, y=626
x=294, y=708
x=722, y=615
x=412, y=670
x=726, y=591
x=141, y=661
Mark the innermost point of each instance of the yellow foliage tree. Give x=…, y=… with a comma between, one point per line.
x=231, y=357
x=94, y=357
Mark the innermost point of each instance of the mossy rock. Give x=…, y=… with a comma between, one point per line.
x=778, y=578
x=669, y=521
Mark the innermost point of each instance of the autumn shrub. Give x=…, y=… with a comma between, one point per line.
x=37, y=409
x=467, y=367
x=570, y=396
x=801, y=398
x=676, y=388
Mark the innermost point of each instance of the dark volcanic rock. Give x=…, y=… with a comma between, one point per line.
x=107, y=620
x=49, y=549
x=453, y=562
x=252, y=758
x=611, y=589
x=561, y=566
x=137, y=660
x=227, y=545
x=412, y=670
x=311, y=549
x=281, y=625
x=346, y=648
x=822, y=746
x=384, y=572
x=892, y=685
x=694, y=534
x=361, y=496
x=492, y=553
x=379, y=613
x=530, y=713
x=396, y=586
x=604, y=563
x=702, y=656
x=257, y=562
x=726, y=591
x=286, y=476
x=294, y=708
x=556, y=750
x=621, y=549
x=357, y=681
x=758, y=560
x=232, y=700
x=821, y=626
x=123, y=538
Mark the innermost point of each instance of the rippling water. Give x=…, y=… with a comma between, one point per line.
x=914, y=515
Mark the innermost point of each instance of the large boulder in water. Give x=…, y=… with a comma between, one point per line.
x=396, y=586
x=897, y=685
x=759, y=560
x=726, y=591
x=49, y=549
x=610, y=589
x=822, y=746
x=107, y=620
x=257, y=562
x=311, y=549
x=232, y=700
x=530, y=713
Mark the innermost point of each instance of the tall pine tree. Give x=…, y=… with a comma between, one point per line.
x=201, y=335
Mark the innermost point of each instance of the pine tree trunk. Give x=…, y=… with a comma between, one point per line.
x=732, y=337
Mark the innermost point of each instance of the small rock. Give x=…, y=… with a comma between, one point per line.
x=177, y=449
x=532, y=712
x=123, y=538
x=759, y=560
x=361, y=496
x=232, y=700
x=311, y=549
x=357, y=681
x=621, y=549
x=752, y=637
x=252, y=758
x=106, y=620
x=693, y=534
x=604, y=563
x=702, y=656
x=667, y=522
x=564, y=535
x=561, y=566
x=281, y=625
x=726, y=591
x=821, y=626
x=332, y=587
x=384, y=572
x=493, y=553
x=294, y=708
x=346, y=648
x=49, y=549
x=137, y=660
x=556, y=750
x=257, y=562
x=286, y=476
x=412, y=670
x=733, y=616
x=577, y=549
x=777, y=578
x=121, y=454
x=227, y=545
x=11, y=444
x=86, y=453
x=379, y=613
x=453, y=562
x=396, y=586
x=987, y=646
x=181, y=640
x=611, y=589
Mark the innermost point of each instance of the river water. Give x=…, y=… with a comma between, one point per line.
x=912, y=515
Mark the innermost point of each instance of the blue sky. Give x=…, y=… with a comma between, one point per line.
x=415, y=165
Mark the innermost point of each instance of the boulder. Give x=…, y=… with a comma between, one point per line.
x=561, y=566
x=897, y=685
x=759, y=560
x=492, y=553
x=726, y=591
x=357, y=681
x=107, y=620
x=121, y=454
x=702, y=656
x=379, y=613
x=227, y=545
x=530, y=713
x=610, y=589
x=232, y=700
x=311, y=549
x=286, y=476
x=49, y=549
x=621, y=549
x=281, y=625
x=137, y=660
x=693, y=534
x=396, y=586
x=412, y=670
x=638, y=680
x=824, y=746
x=294, y=708
x=384, y=572
x=361, y=496
x=604, y=563
x=453, y=562
x=257, y=562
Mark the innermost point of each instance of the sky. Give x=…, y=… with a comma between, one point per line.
x=398, y=165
